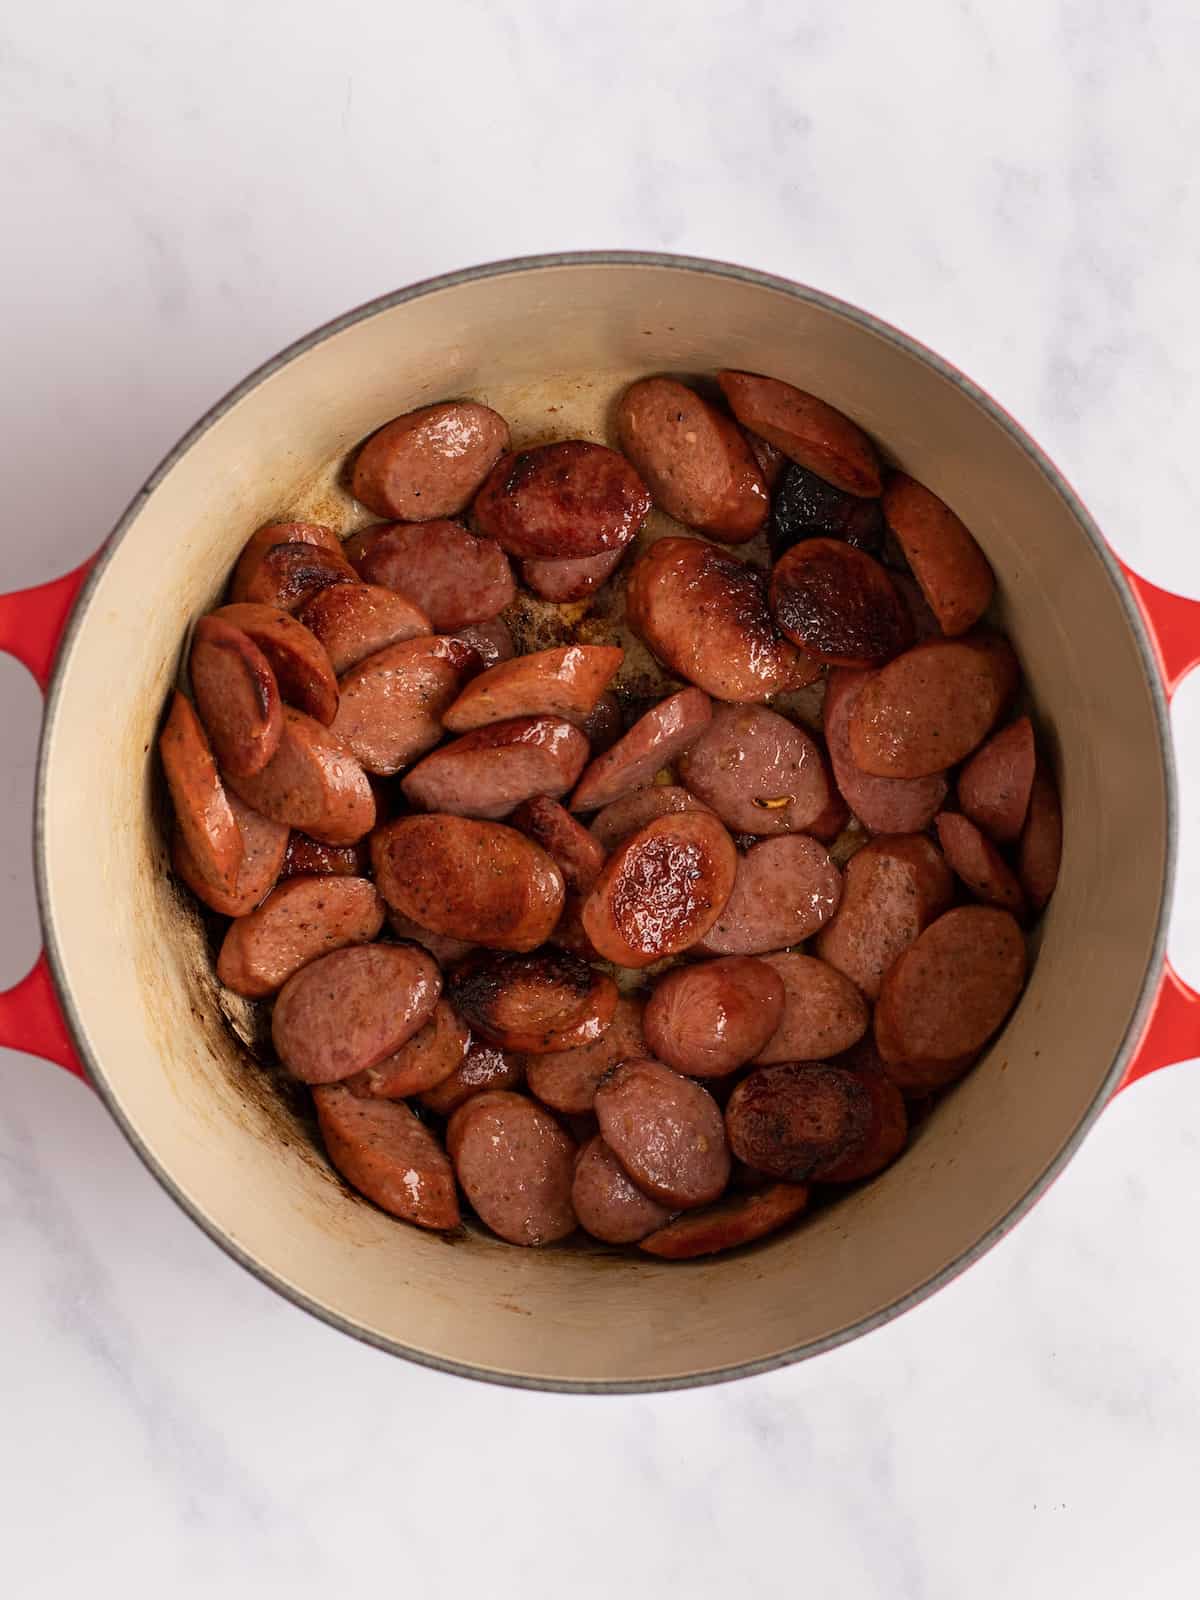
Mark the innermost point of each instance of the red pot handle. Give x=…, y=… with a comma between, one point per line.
x=32, y=622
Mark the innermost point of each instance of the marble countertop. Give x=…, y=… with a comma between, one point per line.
x=187, y=188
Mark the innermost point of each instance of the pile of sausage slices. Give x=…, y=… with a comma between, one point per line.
x=656, y=969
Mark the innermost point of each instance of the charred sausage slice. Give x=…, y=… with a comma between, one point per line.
x=566, y=1079
x=839, y=605
x=798, y=1119
x=578, y=854
x=533, y=1004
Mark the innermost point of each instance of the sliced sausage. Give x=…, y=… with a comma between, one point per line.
x=492, y=641
x=823, y=1012
x=515, y=1165
x=455, y=578
x=202, y=810
x=661, y=890
x=737, y=1220
x=560, y=581
x=577, y=853
x=351, y=1009
x=806, y=429
x=559, y=501
x=947, y=995
x=693, y=460
x=799, y=1119
x=759, y=772
x=420, y=1064
x=312, y=783
x=952, y=570
x=355, y=620
x=300, y=920
x=622, y=817
x=925, y=624
x=482, y=1068
x=709, y=1019
x=666, y=1131
x=355, y=547
x=771, y=461
x=807, y=507
x=310, y=533
x=704, y=614
x=882, y=805
x=893, y=889
x=609, y=1205
x=472, y=880
x=655, y=741
x=237, y=698
x=603, y=724
x=444, y=949
x=429, y=462
x=1040, y=851
x=932, y=706
x=298, y=659
x=886, y=1130
x=534, y=1004
x=838, y=604
x=995, y=785
x=566, y=1079
x=384, y=1152
x=975, y=859
x=785, y=890
x=287, y=575
x=566, y=682
x=307, y=857
x=491, y=771
x=264, y=846
x=392, y=703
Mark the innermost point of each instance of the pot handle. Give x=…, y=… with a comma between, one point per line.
x=1172, y=1031
x=32, y=623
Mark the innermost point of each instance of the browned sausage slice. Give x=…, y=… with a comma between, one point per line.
x=515, y=1165
x=298, y=658
x=455, y=578
x=565, y=682
x=472, y=880
x=886, y=1130
x=609, y=1205
x=202, y=809
x=429, y=462
x=482, y=1068
x=444, y=949
x=693, y=460
x=300, y=920
x=978, y=863
x=264, y=844
x=759, y=772
x=312, y=533
x=559, y=501
x=491, y=771
x=838, y=604
x=784, y=891
x=308, y=857
x=566, y=1079
x=882, y=805
x=704, y=614
x=952, y=570
x=654, y=741
x=799, y=1119
x=312, y=783
x=893, y=888
x=570, y=580
x=736, y=1220
x=1040, y=850
x=349, y=1010
x=392, y=703
x=533, y=1004
x=806, y=429
x=492, y=641
x=823, y=1012
x=666, y=1131
x=932, y=706
x=355, y=620
x=382, y=1150
x=771, y=461
x=423, y=1062
x=577, y=853
x=661, y=890
x=287, y=575
x=709, y=1019
x=622, y=817
x=947, y=995
x=995, y=785
x=237, y=698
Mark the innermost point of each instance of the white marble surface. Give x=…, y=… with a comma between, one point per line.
x=187, y=187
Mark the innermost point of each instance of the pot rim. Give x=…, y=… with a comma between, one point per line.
x=881, y=329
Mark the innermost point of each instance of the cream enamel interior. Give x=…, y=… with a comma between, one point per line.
x=132, y=961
